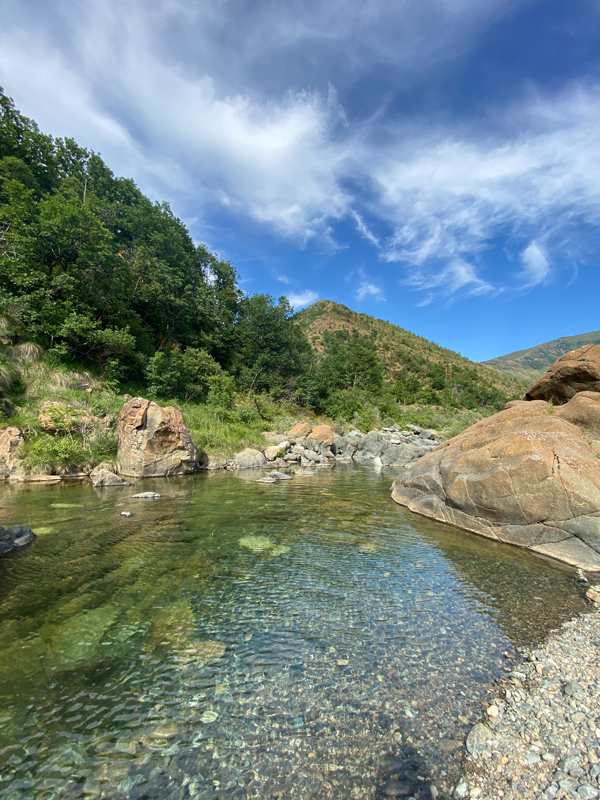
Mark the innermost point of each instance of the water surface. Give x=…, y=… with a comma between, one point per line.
x=237, y=640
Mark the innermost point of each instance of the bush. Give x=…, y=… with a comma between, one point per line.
x=183, y=375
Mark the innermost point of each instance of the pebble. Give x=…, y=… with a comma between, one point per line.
x=145, y=496
x=126, y=514
x=542, y=742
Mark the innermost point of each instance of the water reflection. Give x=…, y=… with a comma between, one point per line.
x=309, y=639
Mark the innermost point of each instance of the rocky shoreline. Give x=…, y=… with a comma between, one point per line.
x=540, y=737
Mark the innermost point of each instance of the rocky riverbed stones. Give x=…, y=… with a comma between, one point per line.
x=543, y=743
x=15, y=538
x=524, y=476
x=154, y=441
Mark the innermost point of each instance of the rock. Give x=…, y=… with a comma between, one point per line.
x=272, y=452
x=126, y=514
x=103, y=475
x=11, y=439
x=145, y=496
x=299, y=431
x=583, y=410
x=154, y=441
x=593, y=594
x=249, y=458
x=14, y=538
x=280, y=476
x=523, y=476
x=320, y=439
x=310, y=455
x=577, y=371
x=266, y=480
x=397, y=789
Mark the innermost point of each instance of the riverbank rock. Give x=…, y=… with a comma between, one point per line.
x=248, y=459
x=583, y=410
x=524, y=476
x=15, y=538
x=320, y=439
x=154, y=441
x=104, y=475
x=11, y=439
x=577, y=371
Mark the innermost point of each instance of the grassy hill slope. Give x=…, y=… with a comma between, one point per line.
x=400, y=350
x=528, y=365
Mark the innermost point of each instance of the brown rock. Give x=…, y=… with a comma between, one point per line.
x=11, y=439
x=583, y=410
x=593, y=594
x=271, y=452
x=299, y=431
x=154, y=441
x=523, y=476
x=320, y=438
x=577, y=371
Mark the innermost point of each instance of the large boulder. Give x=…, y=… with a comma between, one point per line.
x=154, y=441
x=248, y=459
x=524, y=476
x=577, y=371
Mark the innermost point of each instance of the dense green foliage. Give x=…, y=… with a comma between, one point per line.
x=100, y=276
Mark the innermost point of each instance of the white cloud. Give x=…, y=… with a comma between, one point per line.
x=302, y=299
x=449, y=198
x=281, y=278
x=536, y=266
x=190, y=100
x=366, y=289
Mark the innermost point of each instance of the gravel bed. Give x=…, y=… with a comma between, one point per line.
x=540, y=734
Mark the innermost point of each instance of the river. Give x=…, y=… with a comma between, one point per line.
x=309, y=639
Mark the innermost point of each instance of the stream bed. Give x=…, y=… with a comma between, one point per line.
x=309, y=639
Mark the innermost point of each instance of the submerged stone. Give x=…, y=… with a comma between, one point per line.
x=256, y=542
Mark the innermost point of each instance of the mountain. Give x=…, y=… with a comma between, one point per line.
x=528, y=365
x=403, y=353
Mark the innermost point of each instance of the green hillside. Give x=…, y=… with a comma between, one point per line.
x=412, y=368
x=528, y=365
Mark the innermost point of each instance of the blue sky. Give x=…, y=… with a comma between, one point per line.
x=431, y=162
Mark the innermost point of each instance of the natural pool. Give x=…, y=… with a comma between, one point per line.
x=236, y=640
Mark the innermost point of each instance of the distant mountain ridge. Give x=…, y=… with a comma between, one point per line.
x=399, y=349
x=528, y=365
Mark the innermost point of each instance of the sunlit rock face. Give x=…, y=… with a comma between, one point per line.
x=525, y=476
x=577, y=371
x=154, y=441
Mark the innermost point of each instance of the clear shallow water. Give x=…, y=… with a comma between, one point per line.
x=232, y=640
